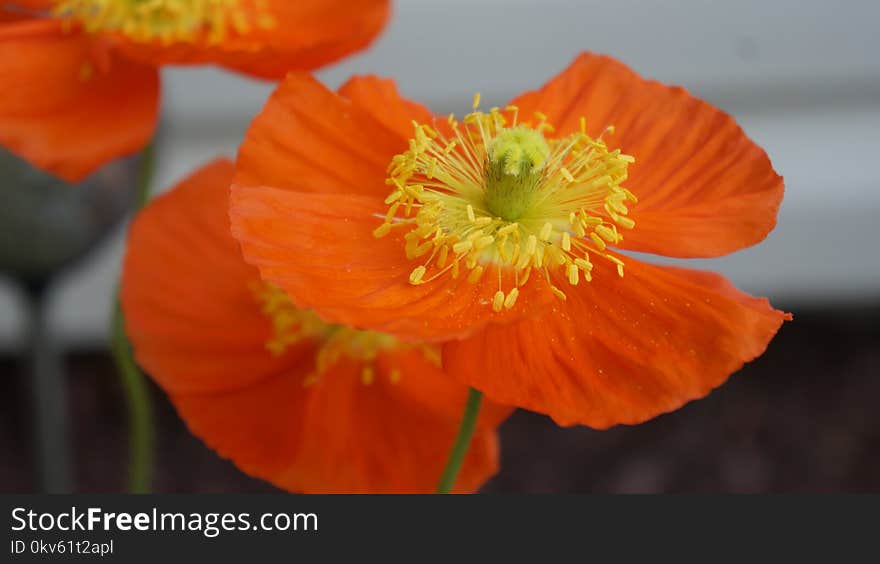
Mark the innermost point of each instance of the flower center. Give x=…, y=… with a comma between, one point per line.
x=168, y=20
x=516, y=158
x=291, y=325
x=491, y=192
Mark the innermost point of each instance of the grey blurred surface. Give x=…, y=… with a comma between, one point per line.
x=46, y=225
x=802, y=77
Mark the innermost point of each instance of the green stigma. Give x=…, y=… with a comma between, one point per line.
x=516, y=157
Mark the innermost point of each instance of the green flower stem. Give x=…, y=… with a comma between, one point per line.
x=141, y=437
x=147, y=171
x=462, y=441
x=140, y=411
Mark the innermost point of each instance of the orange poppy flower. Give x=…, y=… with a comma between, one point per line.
x=308, y=406
x=81, y=79
x=502, y=233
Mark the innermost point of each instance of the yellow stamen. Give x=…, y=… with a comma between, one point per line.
x=497, y=192
x=290, y=326
x=169, y=21
x=498, y=300
x=415, y=277
x=510, y=300
x=475, y=275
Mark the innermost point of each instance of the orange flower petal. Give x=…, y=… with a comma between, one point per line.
x=7, y=16
x=704, y=188
x=310, y=139
x=197, y=329
x=341, y=435
x=186, y=292
x=54, y=114
x=620, y=350
x=379, y=97
x=320, y=249
x=307, y=34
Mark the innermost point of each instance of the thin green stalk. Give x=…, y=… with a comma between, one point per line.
x=147, y=171
x=462, y=441
x=140, y=411
x=141, y=437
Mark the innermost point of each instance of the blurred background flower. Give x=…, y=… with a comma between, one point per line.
x=803, y=82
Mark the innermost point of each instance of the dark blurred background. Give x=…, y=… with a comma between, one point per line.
x=802, y=418
x=803, y=81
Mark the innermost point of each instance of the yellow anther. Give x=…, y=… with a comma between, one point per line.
x=470, y=213
x=558, y=293
x=573, y=274
x=392, y=211
x=462, y=246
x=510, y=300
x=382, y=230
x=474, y=235
x=562, y=258
x=566, y=241
x=546, y=231
x=475, y=275
x=531, y=245
x=415, y=277
x=590, y=220
x=442, y=256
x=598, y=241
x=606, y=233
x=601, y=181
x=476, y=101
x=498, y=301
x=483, y=242
x=540, y=257
x=508, y=229
x=626, y=222
x=614, y=259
